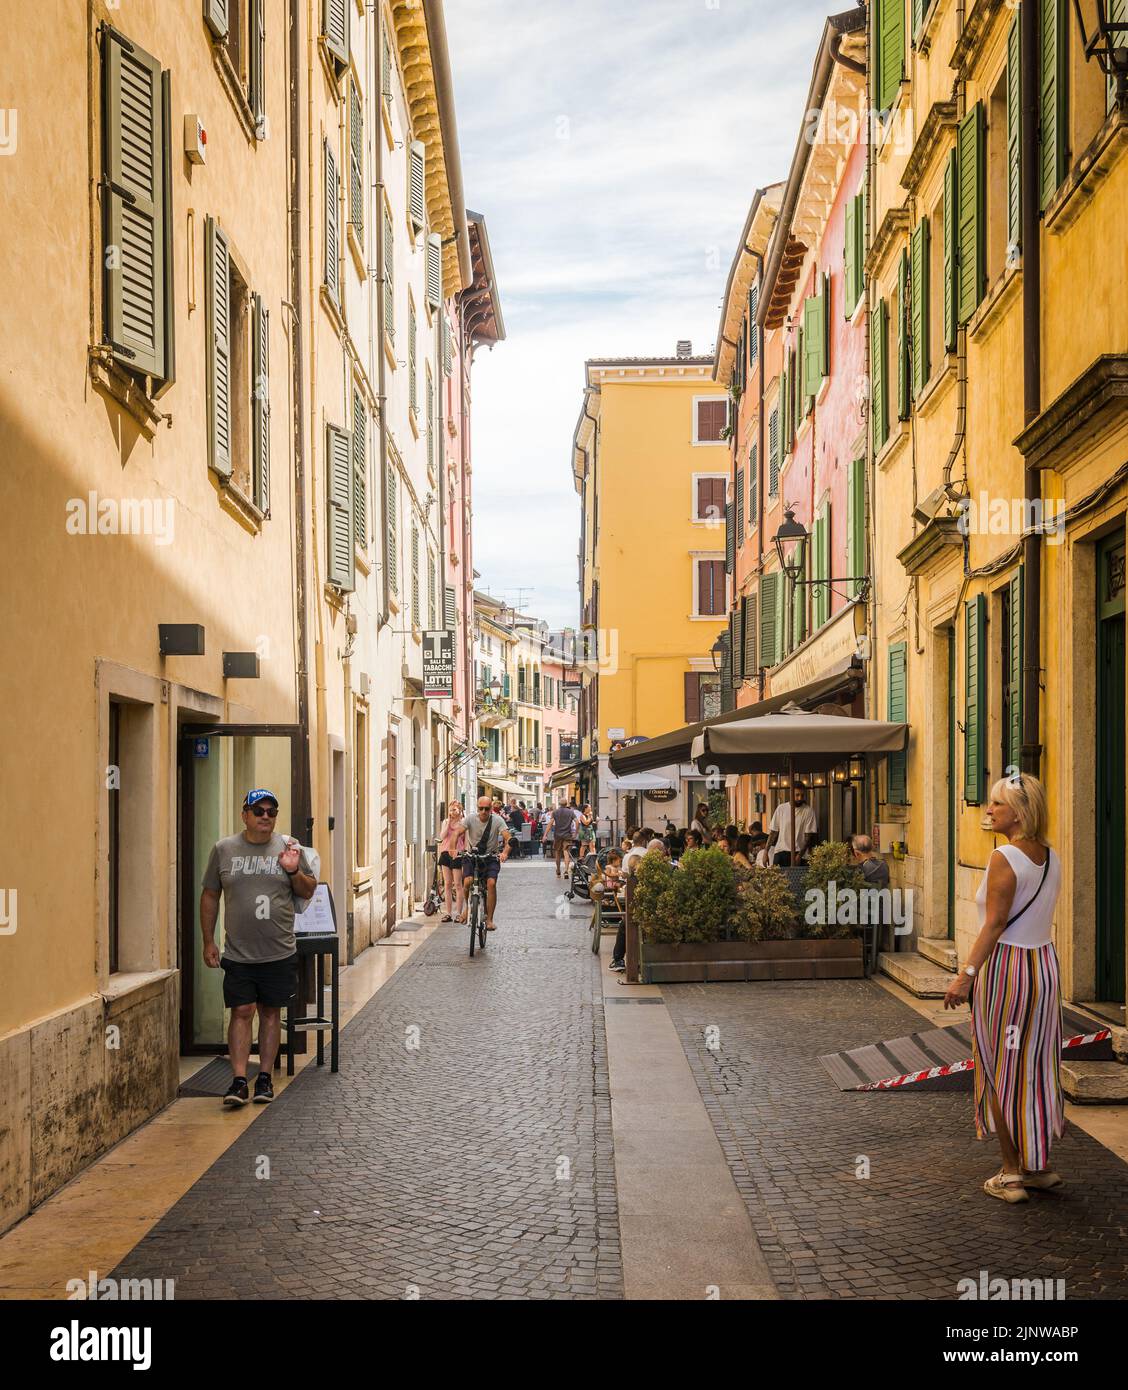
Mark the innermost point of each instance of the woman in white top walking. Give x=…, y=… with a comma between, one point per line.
x=1016, y=1004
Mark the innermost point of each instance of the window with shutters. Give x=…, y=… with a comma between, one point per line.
x=356, y=163
x=753, y=487
x=416, y=608
x=260, y=405
x=709, y=490
x=919, y=267
x=1087, y=88
x=854, y=253
x=710, y=598
x=936, y=345
x=136, y=203
x=332, y=223
x=412, y=355
x=710, y=419
x=889, y=50
x=774, y=448
x=903, y=319
x=950, y=288
x=391, y=527
x=996, y=180
x=739, y=506
x=416, y=190
x=238, y=31
x=450, y=608
x=430, y=385
x=730, y=537
x=432, y=592
x=1010, y=683
x=339, y=510
x=971, y=186
x=975, y=700
x=434, y=271
x=816, y=343
x=389, y=276
x=750, y=629
x=821, y=566
x=236, y=424
x=856, y=569
x=360, y=470
x=335, y=32
x=879, y=374
x=770, y=646
x=897, y=712
x=753, y=327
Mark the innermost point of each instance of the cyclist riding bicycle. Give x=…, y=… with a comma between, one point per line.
x=487, y=836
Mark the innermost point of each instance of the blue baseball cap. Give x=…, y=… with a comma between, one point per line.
x=258, y=794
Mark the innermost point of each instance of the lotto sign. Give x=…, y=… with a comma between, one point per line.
x=438, y=665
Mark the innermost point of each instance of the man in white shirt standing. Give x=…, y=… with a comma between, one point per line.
x=796, y=813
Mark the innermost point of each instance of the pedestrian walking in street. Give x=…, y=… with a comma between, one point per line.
x=451, y=844
x=260, y=874
x=564, y=821
x=585, y=832
x=1012, y=975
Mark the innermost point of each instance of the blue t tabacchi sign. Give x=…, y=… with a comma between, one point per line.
x=201, y=747
x=438, y=664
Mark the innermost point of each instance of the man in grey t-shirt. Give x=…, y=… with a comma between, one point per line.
x=565, y=824
x=259, y=873
x=486, y=835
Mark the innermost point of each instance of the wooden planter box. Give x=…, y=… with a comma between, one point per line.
x=669, y=963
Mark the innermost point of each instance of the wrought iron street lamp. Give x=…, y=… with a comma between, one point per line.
x=717, y=651
x=1105, y=39
x=791, y=546
x=494, y=688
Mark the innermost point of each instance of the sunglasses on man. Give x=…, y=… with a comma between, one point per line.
x=267, y=811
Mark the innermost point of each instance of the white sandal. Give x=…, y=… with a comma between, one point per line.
x=1008, y=1187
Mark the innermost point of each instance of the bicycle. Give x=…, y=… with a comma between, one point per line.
x=476, y=898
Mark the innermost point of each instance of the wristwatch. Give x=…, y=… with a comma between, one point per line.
x=969, y=970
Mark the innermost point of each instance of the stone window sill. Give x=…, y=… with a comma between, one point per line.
x=1092, y=167
x=897, y=436
x=331, y=307
x=989, y=314
x=233, y=86
x=933, y=391
x=127, y=391
x=357, y=251
x=235, y=500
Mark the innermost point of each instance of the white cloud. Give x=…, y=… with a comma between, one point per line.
x=613, y=147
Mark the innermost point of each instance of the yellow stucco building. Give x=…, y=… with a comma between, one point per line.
x=650, y=460
x=997, y=277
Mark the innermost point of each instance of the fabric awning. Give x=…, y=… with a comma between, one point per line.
x=509, y=788
x=571, y=773
x=677, y=747
x=794, y=739
x=639, y=782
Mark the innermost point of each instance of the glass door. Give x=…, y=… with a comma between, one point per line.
x=218, y=765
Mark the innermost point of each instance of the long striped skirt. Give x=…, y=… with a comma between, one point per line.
x=1016, y=1043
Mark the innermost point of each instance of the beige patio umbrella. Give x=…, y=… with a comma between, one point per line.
x=794, y=741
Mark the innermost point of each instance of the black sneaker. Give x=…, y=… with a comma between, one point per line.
x=264, y=1089
x=237, y=1093
x=617, y=965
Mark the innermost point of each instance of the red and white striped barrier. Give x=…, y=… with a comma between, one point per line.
x=952, y=1068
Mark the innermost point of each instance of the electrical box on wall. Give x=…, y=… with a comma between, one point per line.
x=889, y=838
x=195, y=140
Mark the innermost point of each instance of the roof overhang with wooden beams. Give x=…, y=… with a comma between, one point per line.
x=420, y=34
x=481, y=306
x=838, y=94
x=746, y=266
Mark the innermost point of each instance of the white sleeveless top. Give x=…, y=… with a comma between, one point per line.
x=1035, y=926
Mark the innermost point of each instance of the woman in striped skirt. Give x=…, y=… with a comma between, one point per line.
x=1016, y=1003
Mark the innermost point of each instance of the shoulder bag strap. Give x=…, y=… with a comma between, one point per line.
x=1041, y=881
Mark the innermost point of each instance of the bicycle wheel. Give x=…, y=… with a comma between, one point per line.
x=472, y=917
x=482, y=931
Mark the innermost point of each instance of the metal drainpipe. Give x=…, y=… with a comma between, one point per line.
x=299, y=406
x=760, y=350
x=1032, y=385
x=381, y=329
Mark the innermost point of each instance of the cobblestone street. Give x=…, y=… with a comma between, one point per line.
x=476, y=1165
x=919, y=1222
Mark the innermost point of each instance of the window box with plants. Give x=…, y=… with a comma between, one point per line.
x=707, y=920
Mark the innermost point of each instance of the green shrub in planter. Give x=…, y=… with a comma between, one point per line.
x=826, y=864
x=695, y=902
x=765, y=906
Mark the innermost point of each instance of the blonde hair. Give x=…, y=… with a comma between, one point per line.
x=1026, y=797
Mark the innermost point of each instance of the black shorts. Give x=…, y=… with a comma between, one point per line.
x=446, y=862
x=272, y=983
x=490, y=869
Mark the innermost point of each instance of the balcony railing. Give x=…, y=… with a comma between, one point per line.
x=529, y=757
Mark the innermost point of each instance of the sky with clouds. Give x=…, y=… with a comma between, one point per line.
x=613, y=147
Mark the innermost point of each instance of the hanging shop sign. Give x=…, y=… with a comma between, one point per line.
x=438, y=665
x=661, y=794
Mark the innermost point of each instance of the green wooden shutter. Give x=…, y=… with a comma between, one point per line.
x=736, y=641
x=215, y=16
x=813, y=345
x=753, y=486
x=1014, y=662
x=335, y=27
x=879, y=389
x=784, y=412
x=856, y=523
x=904, y=367
x=753, y=327
x=415, y=605
x=971, y=238
x=356, y=162
x=391, y=529
x=134, y=207
x=435, y=270
x=740, y=506
x=730, y=539
x=412, y=358
x=389, y=277
x=920, y=306
x=260, y=443
x=1118, y=14
x=218, y=271
x=769, y=634
x=1014, y=136
x=919, y=7
x=773, y=453
x=799, y=605
x=890, y=49
x=256, y=85
x=783, y=635
x=360, y=469
x=1054, y=112
x=339, y=479
x=728, y=699
x=821, y=561
x=750, y=665
x=850, y=257
x=950, y=257
x=332, y=226
x=897, y=705
x=975, y=701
